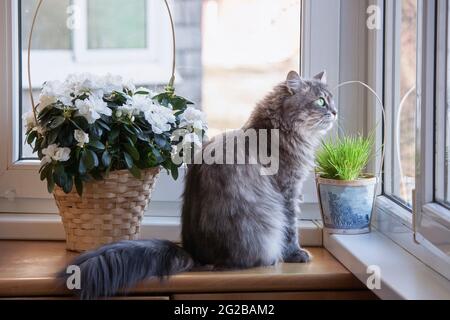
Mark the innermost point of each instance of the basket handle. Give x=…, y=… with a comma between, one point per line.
x=170, y=86
x=380, y=104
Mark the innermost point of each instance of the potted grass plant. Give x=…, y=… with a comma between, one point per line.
x=346, y=193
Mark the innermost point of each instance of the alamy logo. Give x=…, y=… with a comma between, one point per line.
x=73, y=17
x=74, y=279
x=254, y=147
x=374, y=280
x=374, y=19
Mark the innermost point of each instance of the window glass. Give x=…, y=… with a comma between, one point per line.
x=249, y=46
x=116, y=24
x=443, y=133
x=401, y=167
x=226, y=61
x=51, y=32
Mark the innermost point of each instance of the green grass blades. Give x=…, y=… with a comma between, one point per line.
x=344, y=158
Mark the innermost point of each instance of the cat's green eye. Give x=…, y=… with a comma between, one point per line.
x=321, y=102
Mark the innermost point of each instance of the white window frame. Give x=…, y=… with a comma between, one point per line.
x=154, y=14
x=392, y=219
x=442, y=189
x=428, y=213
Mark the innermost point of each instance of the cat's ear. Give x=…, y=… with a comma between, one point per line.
x=293, y=82
x=322, y=77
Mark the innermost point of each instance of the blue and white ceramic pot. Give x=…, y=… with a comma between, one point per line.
x=347, y=205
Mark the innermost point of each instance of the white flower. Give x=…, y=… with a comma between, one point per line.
x=81, y=137
x=92, y=108
x=93, y=85
x=30, y=121
x=84, y=83
x=53, y=152
x=62, y=155
x=194, y=118
x=160, y=118
x=53, y=91
x=126, y=110
x=112, y=83
x=49, y=153
x=138, y=103
x=141, y=102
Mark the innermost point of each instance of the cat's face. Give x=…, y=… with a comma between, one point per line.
x=310, y=105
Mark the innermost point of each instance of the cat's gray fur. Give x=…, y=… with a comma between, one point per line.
x=233, y=217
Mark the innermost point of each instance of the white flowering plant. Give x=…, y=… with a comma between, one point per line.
x=87, y=126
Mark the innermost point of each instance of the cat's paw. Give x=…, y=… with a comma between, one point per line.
x=299, y=256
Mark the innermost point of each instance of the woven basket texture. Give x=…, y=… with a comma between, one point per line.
x=110, y=210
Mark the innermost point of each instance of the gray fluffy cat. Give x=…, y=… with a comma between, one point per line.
x=233, y=217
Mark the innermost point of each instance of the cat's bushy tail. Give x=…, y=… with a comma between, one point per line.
x=121, y=265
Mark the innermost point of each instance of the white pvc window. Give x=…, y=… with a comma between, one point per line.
x=432, y=220
x=416, y=91
x=442, y=176
x=400, y=99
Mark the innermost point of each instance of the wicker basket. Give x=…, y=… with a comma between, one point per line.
x=110, y=210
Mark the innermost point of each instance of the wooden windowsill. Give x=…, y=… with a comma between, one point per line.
x=27, y=269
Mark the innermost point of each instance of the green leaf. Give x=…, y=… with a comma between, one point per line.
x=68, y=185
x=82, y=166
x=136, y=172
x=90, y=159
x=44, y=172
x=104, y=125
x=52, y=136
x=37, y=146
x=50, y=181
x=80, y=123
x=60, y=178
x=57, y=122
x=132, y=140
x=129, y=130
x=96, y=132
x=174, y=172
x=157, y=155
x=44, y=112
x=31, y=137
x=113, y=135
x=79, y=185
x=106, y=158
x=160, y=141
x=141, y=92
x=128, y=160
x=132, y=151
x=97, y=145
